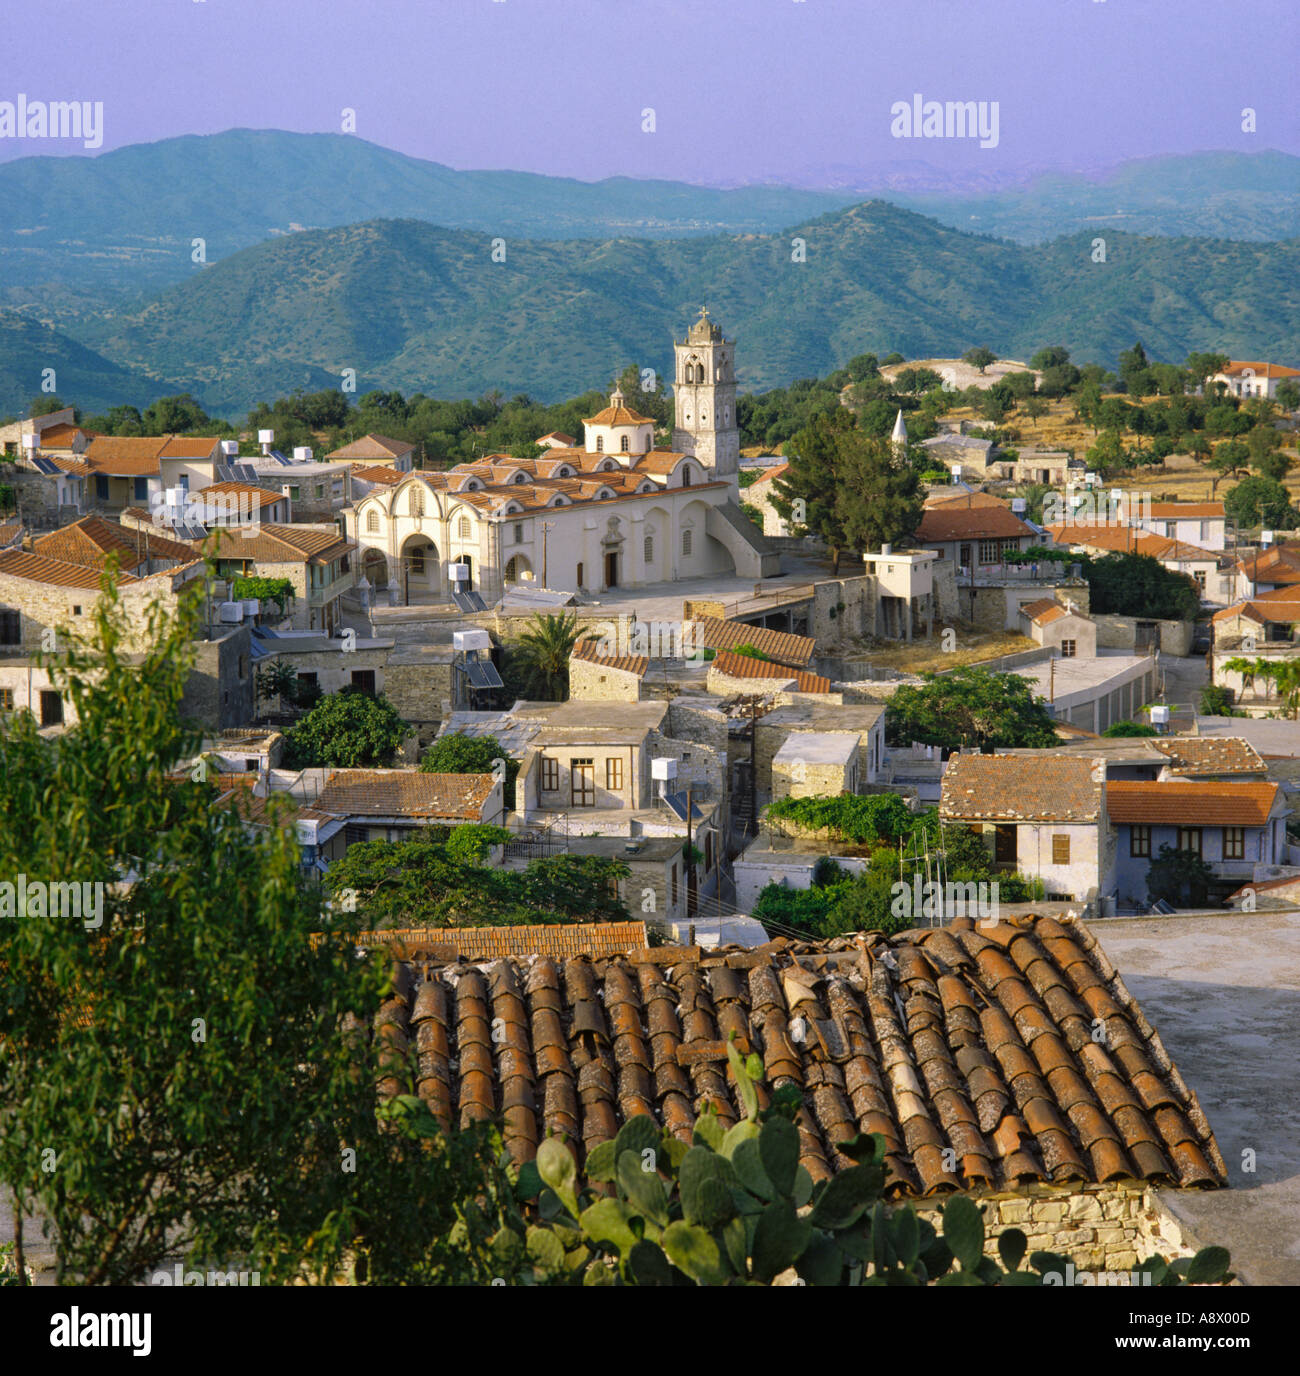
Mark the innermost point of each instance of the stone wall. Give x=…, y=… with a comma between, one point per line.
x=1098, y=1227
x=420, y=684
x=219, y=691
x=602, y=683
x=1120, y=633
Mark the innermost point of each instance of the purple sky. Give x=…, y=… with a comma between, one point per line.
x=743, y=90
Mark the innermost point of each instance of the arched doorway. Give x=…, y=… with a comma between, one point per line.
x=374, y=568
x=419, y=574
x=518, y=569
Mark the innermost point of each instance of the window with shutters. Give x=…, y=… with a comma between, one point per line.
x=1139, y=841
x=1234, y=843
x=1060, y=850
x=1189, y=839
x=990, y=551
x=6, y=699
x=1068, y=648
x=614, y=775
x=550, y=774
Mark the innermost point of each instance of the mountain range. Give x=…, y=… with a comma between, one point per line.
x=410, y=305
x=509, y=280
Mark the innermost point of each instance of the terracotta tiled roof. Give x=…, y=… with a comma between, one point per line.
x=1280, y=564
x=405, y=793
x=778, y=646
x=39, y=569
x=372, y=447
x=960, y=518
x=376, y=474
x=90, y=540
x=971, y=1052
x=557, y=435
x=559, y=940
x=1128, y=539
x=1235, y=367
x=1013, y=788
x=618, y=415
x=1190, y=802
x=260, y=495
x=770, y=474
x=1043, y=610
x=277, y=544
x=1200, y=511
x=125, y=456
x=588, y=651
x=60, y=436
x=1210, y=755
x=742, y=666
x=1280, y=607
x=189, y=446
x=660, y=461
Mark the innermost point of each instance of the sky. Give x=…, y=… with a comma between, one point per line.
x=741, y=90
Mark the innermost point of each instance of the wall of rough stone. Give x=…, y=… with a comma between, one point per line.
x=1120, y=633
x=1098, y=1227
x=602, y=683
x=219, y=691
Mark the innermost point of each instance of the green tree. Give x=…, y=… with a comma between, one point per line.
x=1203, y=366
x=879, y=499
x=346, y=730
x=1129, y=728
x=175, y=416
x=811, y=480
x=1053, y=356
x=276, y=680
x=457, y=753
x=1288, y=394
x=979, y=357
x=541, y=655
x=1261, y=502
x=1124, y=584
x=969, y=707
x=179, y=1079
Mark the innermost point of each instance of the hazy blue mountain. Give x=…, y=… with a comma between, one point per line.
x=84, y=233
x=414, y=306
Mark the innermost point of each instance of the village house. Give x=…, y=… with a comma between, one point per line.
x=139, y=470
x=1273, y=567
x=1064, y=629
x=794, y=727
x=1244, y=379
x=1202, y=566
x=973, y=530
x=1202, y=524
x=43, y=600
x=316, y=560
x=605, y=678
x=614, y=513
x=394, y=804
x=376, y=449
x=759, y=495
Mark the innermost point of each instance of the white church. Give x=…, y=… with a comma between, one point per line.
x=611, y=512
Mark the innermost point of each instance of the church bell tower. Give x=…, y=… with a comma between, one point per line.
x=704, y=392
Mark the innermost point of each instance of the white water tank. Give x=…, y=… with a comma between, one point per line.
x=664, y=770
x=302, y=454
x=231, y=613
x=1160, y=716
x=458, y=573
x=266, y=437
x=1266, y=537
x=470, y=640
x=251, y=607
x=230, y=448
x=1019, y=505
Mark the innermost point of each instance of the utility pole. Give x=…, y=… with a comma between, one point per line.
x=546, y=530
x=690, y=858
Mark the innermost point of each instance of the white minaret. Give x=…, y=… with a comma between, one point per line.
x=704, y=392
x=898, y=437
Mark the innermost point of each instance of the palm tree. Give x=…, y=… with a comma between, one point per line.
x=1287, y=677
x=541, y=654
